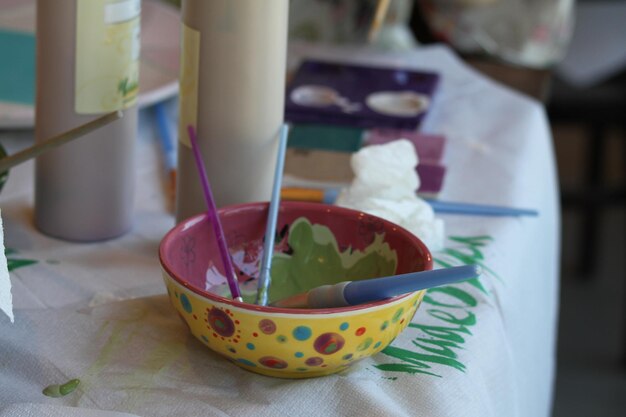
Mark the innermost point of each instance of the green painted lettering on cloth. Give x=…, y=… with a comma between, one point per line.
x=439, y=343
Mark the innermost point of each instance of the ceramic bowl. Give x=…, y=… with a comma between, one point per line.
x=316, y=244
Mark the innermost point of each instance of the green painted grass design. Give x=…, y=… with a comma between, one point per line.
x=451, y=305
x=16, y=263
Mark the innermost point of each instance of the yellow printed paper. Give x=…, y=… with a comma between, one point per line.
x=107, y=55
x=188, y=89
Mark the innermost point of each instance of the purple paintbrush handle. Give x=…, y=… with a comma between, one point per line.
x=214, y=218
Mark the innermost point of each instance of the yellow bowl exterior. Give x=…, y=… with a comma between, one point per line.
x=291, y=345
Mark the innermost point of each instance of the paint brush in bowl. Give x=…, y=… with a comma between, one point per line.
x=270, y=228
x=214, y=218
x=350, y=293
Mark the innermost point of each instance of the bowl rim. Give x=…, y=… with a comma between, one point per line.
x=428, y=261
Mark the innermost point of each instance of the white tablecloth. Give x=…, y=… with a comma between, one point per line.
x=478, y=348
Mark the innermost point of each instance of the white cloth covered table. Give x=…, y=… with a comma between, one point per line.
x=479, y=348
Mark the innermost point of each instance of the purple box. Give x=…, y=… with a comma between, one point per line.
x=429, y=148
x=359, y=96
x=431, y=179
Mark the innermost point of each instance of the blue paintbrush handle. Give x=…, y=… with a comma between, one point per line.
x=167, y=143
x=450, y=207
x=478, y=209
x=272, y=216
x=359, y=292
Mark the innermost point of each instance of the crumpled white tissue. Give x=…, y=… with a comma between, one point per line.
x=385, y=185
x=6, y=301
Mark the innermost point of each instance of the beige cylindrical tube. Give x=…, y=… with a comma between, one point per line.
x=232, y=90
x=84, y=190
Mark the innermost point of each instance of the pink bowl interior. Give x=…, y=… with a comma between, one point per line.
x=190, y=249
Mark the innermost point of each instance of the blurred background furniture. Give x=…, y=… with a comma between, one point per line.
x=589, y=89
x=596, y=109
x=584, y=87
x=581, y=83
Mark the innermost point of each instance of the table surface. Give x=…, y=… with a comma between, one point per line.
x=480, y=348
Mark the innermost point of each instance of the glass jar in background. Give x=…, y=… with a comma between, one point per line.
x=350, y=21
x=529, y=33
